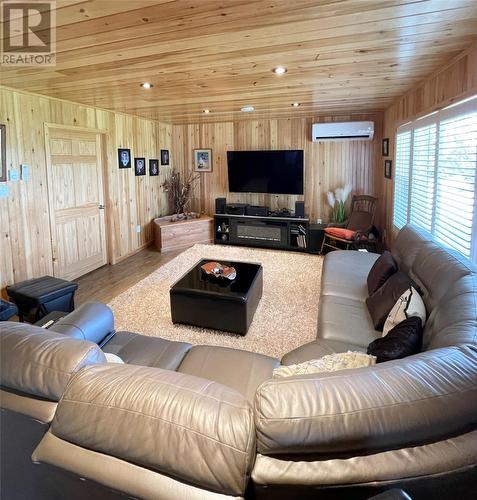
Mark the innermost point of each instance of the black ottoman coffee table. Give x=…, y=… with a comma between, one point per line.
x=200, y=300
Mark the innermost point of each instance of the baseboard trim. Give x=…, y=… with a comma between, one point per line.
x=134, y=252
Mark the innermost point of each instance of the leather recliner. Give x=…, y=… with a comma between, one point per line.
x=36, y=366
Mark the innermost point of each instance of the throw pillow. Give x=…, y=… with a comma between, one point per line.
x=339, y=232
x=328, y=363
x=409, y=304
x=113, y=358
x=403, y=340
x=382, y=269
x=383, y=299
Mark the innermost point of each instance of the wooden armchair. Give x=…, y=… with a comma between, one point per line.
x=355, y=231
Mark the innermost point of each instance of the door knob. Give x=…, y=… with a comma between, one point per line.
x=101, y=207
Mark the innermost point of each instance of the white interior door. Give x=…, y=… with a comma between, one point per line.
x=76, y=200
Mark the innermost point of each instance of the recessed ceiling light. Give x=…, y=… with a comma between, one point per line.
x=279, y=70
x=206, y=111
x=247, y=109
x=295, y=104
x=147, y=85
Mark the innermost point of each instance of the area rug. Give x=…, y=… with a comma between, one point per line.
x=286, y=316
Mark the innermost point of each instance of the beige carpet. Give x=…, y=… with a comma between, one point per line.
x=285, y=318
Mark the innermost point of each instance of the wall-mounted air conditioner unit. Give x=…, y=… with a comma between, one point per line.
x=339, y=131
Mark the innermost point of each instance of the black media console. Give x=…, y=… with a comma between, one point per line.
x=287, y=233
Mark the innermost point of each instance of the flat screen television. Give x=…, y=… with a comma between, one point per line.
x=276, y=172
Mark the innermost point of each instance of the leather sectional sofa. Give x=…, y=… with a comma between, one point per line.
x=202, y=422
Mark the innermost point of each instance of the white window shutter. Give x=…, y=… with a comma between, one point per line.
x=423, y=176
x=401, y=179
x=456, y=183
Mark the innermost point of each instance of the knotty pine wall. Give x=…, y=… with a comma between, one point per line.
x=451, y=83
x=327, y=164
x=25, y=246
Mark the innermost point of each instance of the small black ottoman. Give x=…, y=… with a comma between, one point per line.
x=37, y=297
x=7, y=310
x=199, y=300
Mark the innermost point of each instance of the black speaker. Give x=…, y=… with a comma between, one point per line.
x=316, y=233
x=235, y=208
x=299, y=209
x=256, y=210
x=220, y=205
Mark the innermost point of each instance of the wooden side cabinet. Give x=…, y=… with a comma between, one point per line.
x=182, y=234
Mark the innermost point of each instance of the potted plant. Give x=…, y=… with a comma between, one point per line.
x=337, y=202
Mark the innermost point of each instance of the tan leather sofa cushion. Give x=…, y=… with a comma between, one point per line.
x=317, y=349
x=345, y=273
x=454, y=319
x=38, y=362
x=408, y=244
x=244, y=371
x=141, y=350
x=424, y=397
x=189, y=428
x=435, y=269
x=345, y=320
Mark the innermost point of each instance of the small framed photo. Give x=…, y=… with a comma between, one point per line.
x=164, y=157
x=124, y=158
x=153, y=167
x=385, y=147
x=388, y=169
x=140, y=166
x=203, y=160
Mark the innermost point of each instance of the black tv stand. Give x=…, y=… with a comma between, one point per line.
x=286, y=233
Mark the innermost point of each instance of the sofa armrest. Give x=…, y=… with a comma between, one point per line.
x=185, y=427
x=424, y=397
x=91, y=321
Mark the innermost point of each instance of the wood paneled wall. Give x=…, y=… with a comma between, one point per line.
x=327, y=164
x=25, y=246
x=451, y=83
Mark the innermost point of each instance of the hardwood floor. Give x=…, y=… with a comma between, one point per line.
x=107, y=282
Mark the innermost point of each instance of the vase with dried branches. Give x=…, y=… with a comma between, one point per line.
x=180, y=191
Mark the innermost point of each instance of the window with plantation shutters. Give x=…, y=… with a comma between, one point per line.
x=436, y=176
x=455, y=187
x=401, y=179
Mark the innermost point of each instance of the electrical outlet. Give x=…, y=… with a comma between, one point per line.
x=14, y=175
x=24, y=172
x=138, y=228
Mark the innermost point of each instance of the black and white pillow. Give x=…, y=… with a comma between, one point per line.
x=409, y=304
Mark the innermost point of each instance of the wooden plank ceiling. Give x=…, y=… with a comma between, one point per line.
x=342, y=56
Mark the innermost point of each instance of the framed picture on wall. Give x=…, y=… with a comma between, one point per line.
x=140, y=166
x=385, y=147
x=203, y=160
x=388, y=169
x=124, y=158
x=164, y=157
x=153, y=167
x=3, y=154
